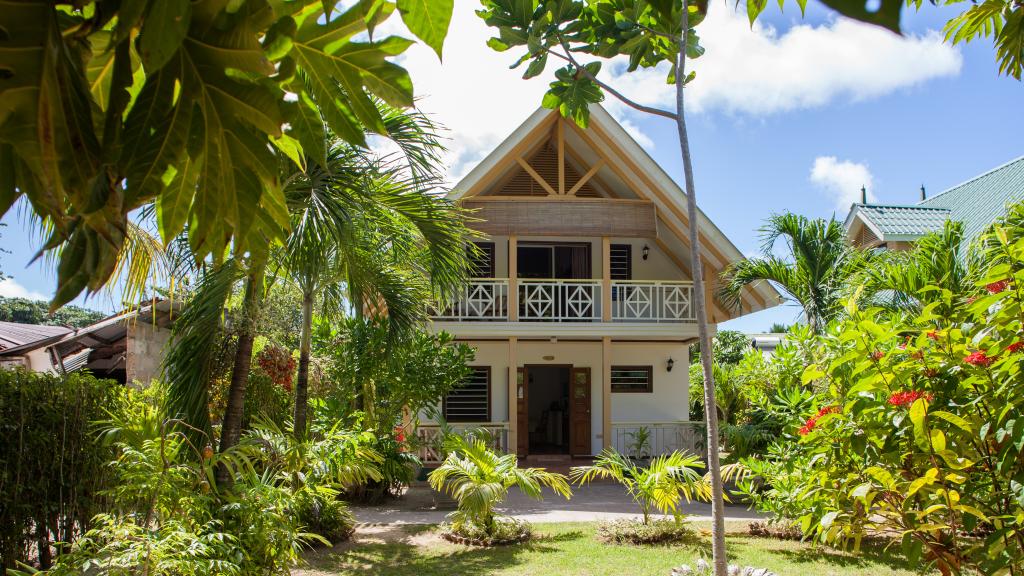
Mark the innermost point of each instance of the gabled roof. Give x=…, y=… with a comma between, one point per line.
x=26, y=336
x=976, y=203
x=605, y=151
x=898, y=221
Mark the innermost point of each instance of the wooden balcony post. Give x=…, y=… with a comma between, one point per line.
x=513, y=275
x=606, y=392
x=513, y=396
x=606, y=279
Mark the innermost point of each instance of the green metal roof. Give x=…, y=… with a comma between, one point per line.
x=977, y=203
x=903, y=220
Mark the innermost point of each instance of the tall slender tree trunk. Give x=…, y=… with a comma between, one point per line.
x=704, y=336
x=231, y=428
x=302, y=382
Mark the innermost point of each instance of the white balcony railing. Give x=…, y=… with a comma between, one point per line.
x=555, y=300
x=662, y=437
x=559, y=300
x=652, y=301
x=482, y=299
x=429, y=436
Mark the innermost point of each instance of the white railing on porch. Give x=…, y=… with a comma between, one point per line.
x=664, y=437
x=482, y=299
x=429, y=436
x=652, y=301
x=559, y=300
x=553, y=300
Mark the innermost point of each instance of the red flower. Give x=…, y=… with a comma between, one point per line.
x=902, y=346
x=978, y=358
x=905, y=398
x=399, y=434
x=813, y=420
x=933, y=335
x=997, y=287
x=878, y=355
x=1015, y=347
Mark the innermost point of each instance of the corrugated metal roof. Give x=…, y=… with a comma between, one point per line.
x=13, y=334
x=977, y=203
x=903, y=220
x=984, y=198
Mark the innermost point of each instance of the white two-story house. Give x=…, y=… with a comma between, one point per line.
x=582, y=309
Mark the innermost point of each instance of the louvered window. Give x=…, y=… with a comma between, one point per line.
x=471, y=400
x=632, y=379
x=482, y=260
x=622, y=261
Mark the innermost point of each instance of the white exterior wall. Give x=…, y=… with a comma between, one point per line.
x=669, y=401
x=658, y=265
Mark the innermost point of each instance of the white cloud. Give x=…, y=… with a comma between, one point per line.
x=763, y=71
x=480, y=100
x=11, y=289
x=842, y=180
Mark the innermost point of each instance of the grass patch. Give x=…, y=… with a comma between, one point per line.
x=573, y=549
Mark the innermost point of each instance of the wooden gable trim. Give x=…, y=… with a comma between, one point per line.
x=502, y=165
x=537, y=177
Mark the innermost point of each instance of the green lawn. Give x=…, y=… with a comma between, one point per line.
x=571, y=549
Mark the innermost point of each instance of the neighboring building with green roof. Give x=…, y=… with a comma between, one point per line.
x=977, y=203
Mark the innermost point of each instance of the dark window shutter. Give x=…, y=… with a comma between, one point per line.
x=471, y=400
x=482, y=262
x=621, y=256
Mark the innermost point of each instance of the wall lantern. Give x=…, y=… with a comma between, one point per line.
x=645, y=251
x=669, y=364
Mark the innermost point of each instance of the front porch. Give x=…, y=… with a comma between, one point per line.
x=664, y=438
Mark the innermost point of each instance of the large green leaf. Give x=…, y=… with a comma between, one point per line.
x=163, y=30
x=428, y=20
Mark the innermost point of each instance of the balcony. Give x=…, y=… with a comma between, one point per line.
x=553, y=300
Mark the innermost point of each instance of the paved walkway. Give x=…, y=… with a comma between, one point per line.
x=593, y=502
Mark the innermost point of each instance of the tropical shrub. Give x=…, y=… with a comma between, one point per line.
x=661, y=485
x=916, y=430
x=632, y=532
x=53, y=473
x=325, y=515
x=479, y=479
x=371, y=374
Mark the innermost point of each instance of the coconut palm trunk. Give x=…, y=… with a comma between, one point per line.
x=231, y=428
x=704, y=336
x=302, y=381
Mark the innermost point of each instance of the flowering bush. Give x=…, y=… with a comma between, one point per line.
x=926, y=444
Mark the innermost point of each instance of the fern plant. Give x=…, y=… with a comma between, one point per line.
x=661, y=485
x=479, y=479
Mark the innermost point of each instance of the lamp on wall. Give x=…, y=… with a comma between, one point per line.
x=645, y=251
x=669, y=364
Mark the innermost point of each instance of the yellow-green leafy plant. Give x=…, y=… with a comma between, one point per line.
x=661, y=485
x=479, y=479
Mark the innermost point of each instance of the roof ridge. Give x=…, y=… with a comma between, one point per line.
x=914, y=206
x=978, y=177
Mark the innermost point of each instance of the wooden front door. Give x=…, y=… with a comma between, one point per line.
x=579, y=412
x=522, y=414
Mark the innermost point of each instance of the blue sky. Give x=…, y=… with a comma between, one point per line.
x=793, y=115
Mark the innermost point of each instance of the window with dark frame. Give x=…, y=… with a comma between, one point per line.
x=481, y=262
x=621, y=258
x=471, y=400
x=629, y=379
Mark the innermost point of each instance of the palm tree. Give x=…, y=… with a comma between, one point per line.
x=898, y=279
x=479, y=479
x=366, y=235
x=661, y=485
x=815, y=273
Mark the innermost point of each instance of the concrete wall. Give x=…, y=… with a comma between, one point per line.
x=668, y=402
x=146, y=348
